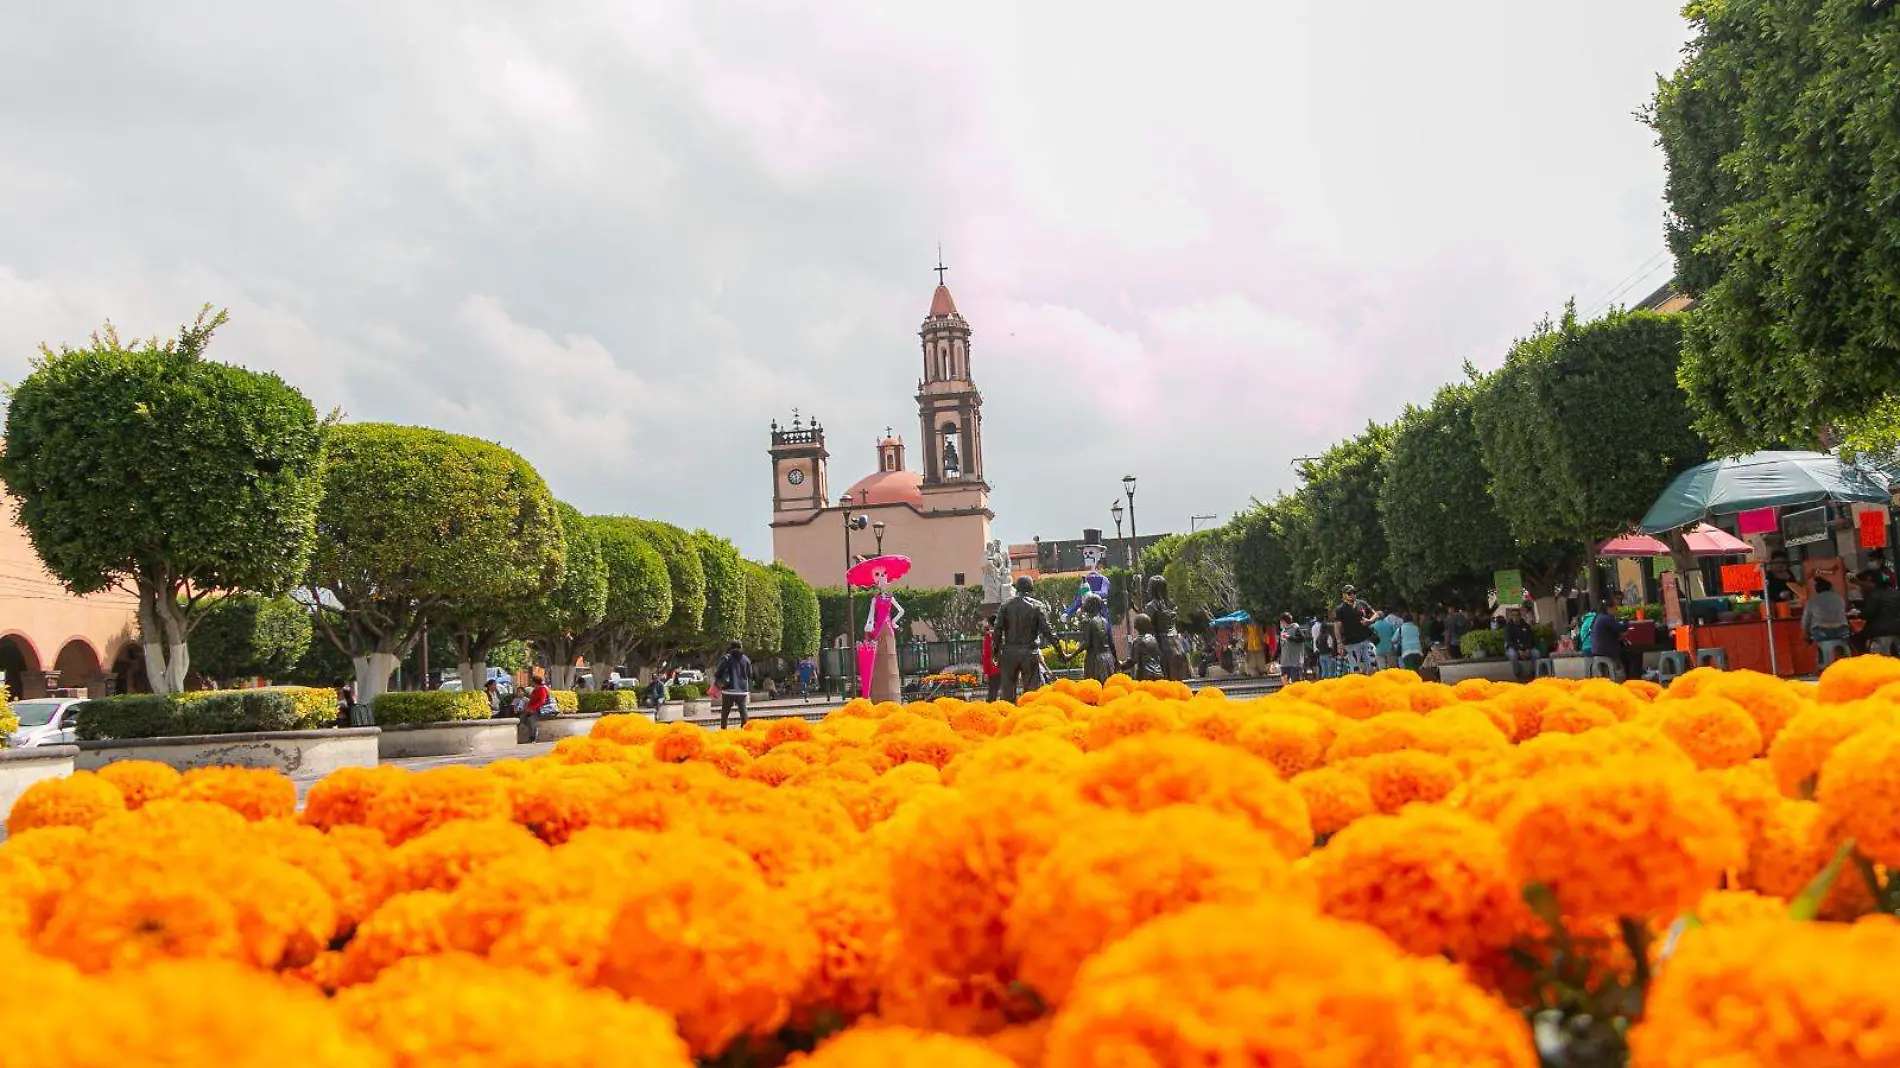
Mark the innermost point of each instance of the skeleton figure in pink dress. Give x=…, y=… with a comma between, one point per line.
x=885, y=612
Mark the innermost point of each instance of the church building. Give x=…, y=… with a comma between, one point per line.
x=938, y=514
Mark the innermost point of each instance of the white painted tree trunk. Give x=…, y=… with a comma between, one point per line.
x=162, y=636
x=474, y=674
x=561, y=677
x=1548, y=610
x=372, y=675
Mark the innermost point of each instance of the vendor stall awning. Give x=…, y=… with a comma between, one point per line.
x=1762, y=480
x=1233, y=618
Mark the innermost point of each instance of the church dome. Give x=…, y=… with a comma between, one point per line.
x=888, y=487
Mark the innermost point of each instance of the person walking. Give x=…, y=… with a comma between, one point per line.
x=1293, y=642
x=734, y=676
x=1385, y=638
x=807, y=676
x=992, y=674
x=539, y=703
x=1326, y=648
x=1411, y=643
x=1353, y=636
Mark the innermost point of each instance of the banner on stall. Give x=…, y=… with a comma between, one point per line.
x=1804, y=528
x=1758, y=521
x=1741, y=578
x=1873, y=528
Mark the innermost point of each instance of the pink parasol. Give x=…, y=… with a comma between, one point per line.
x=1633, y=545
x=1705, y=540
x=894, y=568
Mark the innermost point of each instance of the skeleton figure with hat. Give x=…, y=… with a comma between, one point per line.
x=877, y=573
x=1093, y=581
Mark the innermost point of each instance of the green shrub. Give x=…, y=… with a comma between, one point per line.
x=1482, y=643
x=8, y=721
x=429, y=706
x=687, y=691
x=598, y=702
x=315, y=705
x=567, y=701
x=203, y=712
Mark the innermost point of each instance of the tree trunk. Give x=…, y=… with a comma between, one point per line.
x=473, y=673
x=162, y=636
x=372, y=675
x=562, y=677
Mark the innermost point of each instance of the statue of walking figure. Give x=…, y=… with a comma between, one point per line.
x=1162, y=613
x=1022, y=629
x=1098, y=648
x=1144, y=653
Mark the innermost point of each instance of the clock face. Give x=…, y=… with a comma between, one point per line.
x=795, y=476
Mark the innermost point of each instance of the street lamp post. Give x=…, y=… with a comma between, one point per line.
x=1195, y=521
x=1134, y=538
x=851, y=523
x=1116, y=511
x=877, y=528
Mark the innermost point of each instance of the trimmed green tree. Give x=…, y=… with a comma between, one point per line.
x=560, y=619
x=764, y=611
x=413, y=518
x=1344, y=538
x=798, y=607
x=248, y=635
x=1201, y=575
x=1267, y=579
x=149, y=467
x=1784, y=169
x=724, y=622
x=686, y=581
x=1442, y=532
x=639, y=593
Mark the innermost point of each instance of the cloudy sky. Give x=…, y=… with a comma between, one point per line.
x=1194, y=241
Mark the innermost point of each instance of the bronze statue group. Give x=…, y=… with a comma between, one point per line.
x=1022, y=631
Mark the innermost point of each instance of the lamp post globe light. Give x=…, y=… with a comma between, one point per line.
x=877, y=528
x=1116, y=511
x=1134, y=537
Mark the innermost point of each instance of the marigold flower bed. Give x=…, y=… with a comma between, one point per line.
x=1358, y=872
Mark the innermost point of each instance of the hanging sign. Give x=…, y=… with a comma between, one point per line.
x=1873, y=528
x=1759, y=521
x=1804, y=528
x=1510, y=587
x=1741, y=578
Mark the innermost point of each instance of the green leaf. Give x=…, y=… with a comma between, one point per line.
x=1807, y=904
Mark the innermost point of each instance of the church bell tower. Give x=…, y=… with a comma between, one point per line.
x=950, y=409
x=798, y=466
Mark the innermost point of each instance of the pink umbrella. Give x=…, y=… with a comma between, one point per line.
x=1705, y=540
x=1633, y=545
x=862, y=573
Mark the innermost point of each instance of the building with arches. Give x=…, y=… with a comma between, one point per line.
x=937, y=514
x=52, y=641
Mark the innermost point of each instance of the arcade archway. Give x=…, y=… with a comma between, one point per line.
x=20, y=665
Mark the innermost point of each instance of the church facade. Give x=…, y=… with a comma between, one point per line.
x=938, y=514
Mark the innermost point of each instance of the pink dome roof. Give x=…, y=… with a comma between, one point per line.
x=888, y=487
x=942, y=306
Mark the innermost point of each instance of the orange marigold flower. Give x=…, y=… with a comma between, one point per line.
x=848, y=908
x=441, y=858
x=459, y=1010
x=1335, y=797
x=190, y=1013
x=628, y=728
x=883, y=1045
x=1112, y=872
x=928, y=742
x=406, y=925
x=1386, y=733
x=1634, y=839
x=129, y=919
x=1216, y=721
x=1208, y=987
x=709, y=945
x=1403, y=778
x=141, y=780
x=1806, y=741
x=555, y=803
x=428, y=799
x=1451, y=1023
x=955, y=874
x=789, y=729
x=1434, y=880
x=1794, y=842
x=1493, y=786
x=1771, y=701
x=773, y=768
x=1358, y=697
x=1772, y=993
x=1860, y=784
x=912, y=993
x=976, y=721
x=76, y=800
x=591, y=749
x=731, y=760
x=1714, y=731
x=565, y=938
x=254, y=793
x=1749, y=792
x=323, y=859
x=1154, y=771
x=1574, y=716
x=680, y=742
x=1726, y=907
x=1856, y=677
x=1038, y=753
x=1129, y=718
x=1023, y=1044
x=343, y=796
x=1291, y=743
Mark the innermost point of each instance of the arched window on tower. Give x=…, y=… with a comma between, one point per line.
x=943, y=362
x=952, y=459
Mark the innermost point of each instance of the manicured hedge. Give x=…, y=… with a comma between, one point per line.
x=567, y=701
x=288, y=708
x=397, y=709
x=687, y=691
x=8, y=721
x=595, y=702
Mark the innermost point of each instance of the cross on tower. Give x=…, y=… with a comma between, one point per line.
x=940, y=268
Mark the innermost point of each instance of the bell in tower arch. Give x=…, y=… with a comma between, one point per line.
x=951, y=467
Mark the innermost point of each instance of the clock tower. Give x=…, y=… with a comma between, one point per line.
x=798, y=467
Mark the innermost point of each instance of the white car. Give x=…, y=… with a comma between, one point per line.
x=687, y=675
x=46, y=721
